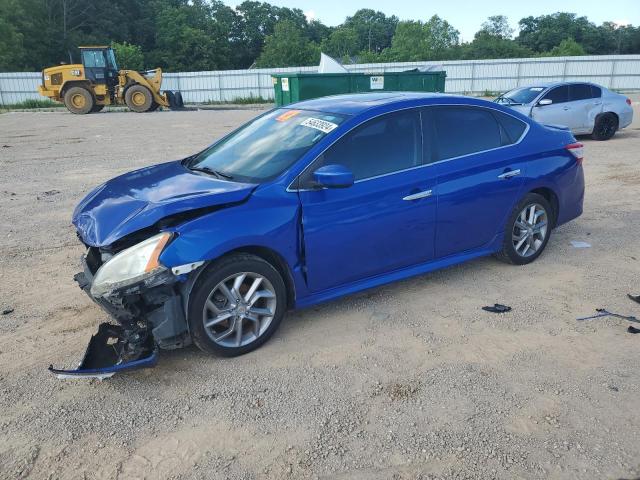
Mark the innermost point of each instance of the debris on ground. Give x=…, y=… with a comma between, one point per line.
x=635, y=298
x=633, y=329
x=580, y=244
x=7, y=311
x=497, y=308
x=605, y=313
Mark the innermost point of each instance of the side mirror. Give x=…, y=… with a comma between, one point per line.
x=545, y=101
x=333, y=176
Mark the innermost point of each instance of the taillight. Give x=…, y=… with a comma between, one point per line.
x=577, y=150
x=628, y=101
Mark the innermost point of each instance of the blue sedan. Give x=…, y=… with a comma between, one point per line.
x=315, y=201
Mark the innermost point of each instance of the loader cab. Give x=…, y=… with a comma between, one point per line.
x=100, y=65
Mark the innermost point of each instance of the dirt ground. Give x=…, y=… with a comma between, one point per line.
x=412, y=380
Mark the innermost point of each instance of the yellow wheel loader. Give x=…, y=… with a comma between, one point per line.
x=88, y=87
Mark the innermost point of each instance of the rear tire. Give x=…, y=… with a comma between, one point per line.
x=138, y=98
x=79, y=100
x=226, y=298
x=527, y=230
x=605, y=126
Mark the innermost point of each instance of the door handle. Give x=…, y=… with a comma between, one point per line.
x=419, y=195
x=565, y=108
x=509, y=174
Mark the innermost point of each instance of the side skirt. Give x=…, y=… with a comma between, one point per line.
x=397, y=275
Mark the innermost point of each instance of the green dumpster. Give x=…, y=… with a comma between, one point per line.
x=294, y=87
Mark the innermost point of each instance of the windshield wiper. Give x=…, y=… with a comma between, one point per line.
x=211, y=171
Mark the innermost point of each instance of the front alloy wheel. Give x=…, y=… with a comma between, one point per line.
x=239, y=309
x=236, y=304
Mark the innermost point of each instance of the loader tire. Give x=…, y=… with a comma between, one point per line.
x=79, y=100
x=138, y=98
x=97, y=108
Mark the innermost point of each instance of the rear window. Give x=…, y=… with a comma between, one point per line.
x=512, y=128
x=465, y=130
x=580, y=91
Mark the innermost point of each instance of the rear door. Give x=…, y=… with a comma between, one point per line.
x=586, y=105
x=560, y=112
x=479, y=174
x=386, y=220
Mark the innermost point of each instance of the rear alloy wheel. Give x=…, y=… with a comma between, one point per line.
x=79, y=100
x=236, y=305
x=527, y=231
x=605, y=127
x=138, y=98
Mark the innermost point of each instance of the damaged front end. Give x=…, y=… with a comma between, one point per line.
x=143, y=296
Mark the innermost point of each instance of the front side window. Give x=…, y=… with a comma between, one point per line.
x=465, y=130
x=265, y=147
x=390, y=143
x=558, y=94
x=93, y=59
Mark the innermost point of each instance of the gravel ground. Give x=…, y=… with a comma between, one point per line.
x=412, y=380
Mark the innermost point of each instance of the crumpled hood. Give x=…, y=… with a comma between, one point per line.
x=139, y=199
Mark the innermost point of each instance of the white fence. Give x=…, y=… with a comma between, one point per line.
x=619, y=72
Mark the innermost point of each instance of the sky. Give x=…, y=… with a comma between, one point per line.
x=467, y=16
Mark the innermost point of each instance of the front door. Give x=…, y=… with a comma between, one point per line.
x=560, y=112
x=95, y=65
x=386, y=219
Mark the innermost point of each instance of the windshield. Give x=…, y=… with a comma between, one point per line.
x=265, y=147
x=520, y=96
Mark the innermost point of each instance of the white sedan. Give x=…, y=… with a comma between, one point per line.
x=585, y=108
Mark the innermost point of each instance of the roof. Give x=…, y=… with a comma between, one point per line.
x=93, y=47
x=355, y=103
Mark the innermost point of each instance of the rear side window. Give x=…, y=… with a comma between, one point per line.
x=596, y=92
x=558, y=94
x=512, y=128
x=580, y=91
x=464, y=130
x=386, y=144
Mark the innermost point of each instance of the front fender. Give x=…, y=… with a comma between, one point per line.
x=262, y=221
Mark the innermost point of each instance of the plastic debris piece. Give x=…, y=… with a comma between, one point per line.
x=580, y=244
x=633, y=329
x=635, y=298
x=497, y=308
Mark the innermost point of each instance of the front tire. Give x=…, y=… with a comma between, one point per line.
x=605, y=126
x=236, y=305
x=527, y=230
x=138, y=98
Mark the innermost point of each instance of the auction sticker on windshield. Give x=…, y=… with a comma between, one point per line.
x=287, y=115
x=322, y=125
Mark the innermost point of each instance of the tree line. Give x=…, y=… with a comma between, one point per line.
x=195, y=35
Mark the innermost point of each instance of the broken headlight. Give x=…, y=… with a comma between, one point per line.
x=133, y=265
